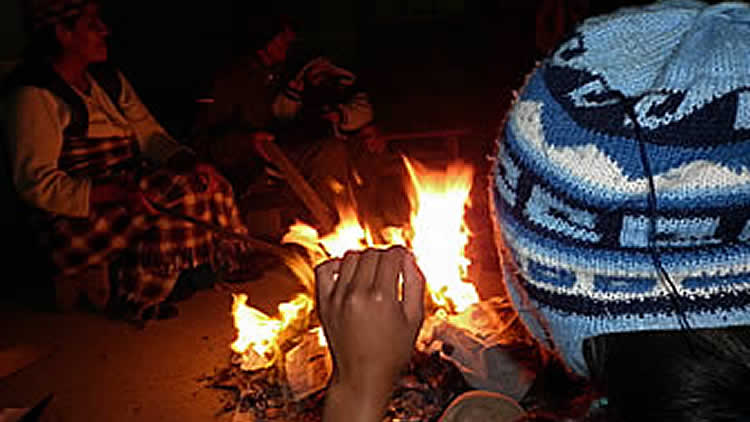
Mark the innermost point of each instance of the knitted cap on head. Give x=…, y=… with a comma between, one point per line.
x=40, y=13
x=627, y=151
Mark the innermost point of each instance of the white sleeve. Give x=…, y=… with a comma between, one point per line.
x=156, y=144
x=35, y=119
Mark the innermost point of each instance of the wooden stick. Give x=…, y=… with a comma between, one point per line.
x=299, y=185
x=251, y=242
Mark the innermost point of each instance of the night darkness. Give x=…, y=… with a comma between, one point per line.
x=461, y=53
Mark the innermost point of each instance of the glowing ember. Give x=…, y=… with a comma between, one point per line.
x=436, y=234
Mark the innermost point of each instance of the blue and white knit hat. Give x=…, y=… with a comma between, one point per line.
x=627, y=152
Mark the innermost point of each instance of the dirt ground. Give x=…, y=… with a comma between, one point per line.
x=104, y=370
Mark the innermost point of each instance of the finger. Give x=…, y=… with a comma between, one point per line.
x=143, y=203
x=346, y=272
x=148, y=207
x=261, y=151
x=389, y=267
x=414, y=288
x=364, y=276
x=262, y=137
x=325, y=280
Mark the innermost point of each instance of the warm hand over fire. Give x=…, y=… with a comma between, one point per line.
x=371, y=325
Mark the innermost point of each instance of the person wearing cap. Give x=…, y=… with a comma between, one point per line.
x=92, y=163
x=621, y=207
x=273, y=91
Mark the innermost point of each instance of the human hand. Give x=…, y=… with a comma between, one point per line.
x=331, y=116
x=371, y=332
x=259, y=139
x=317, y=72
x=208, y=176
x=138, y=203
x=374, y=143
x=123, y=191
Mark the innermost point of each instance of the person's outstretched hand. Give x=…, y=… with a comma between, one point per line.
x=123, y=191
x=370, y=329
x=259, y=139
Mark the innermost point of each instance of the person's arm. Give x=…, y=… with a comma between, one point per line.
x=156, y=144
x=288, y=103
x=371, y=331
x=356, y=113
x=223, y=131
x=34, y=132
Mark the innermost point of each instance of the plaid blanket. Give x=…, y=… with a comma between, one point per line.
x=153, y=249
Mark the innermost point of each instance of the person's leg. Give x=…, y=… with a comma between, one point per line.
x=93, y=283
x=81, y=251
x=142, y=291
x=380, y=184
x=178, y=243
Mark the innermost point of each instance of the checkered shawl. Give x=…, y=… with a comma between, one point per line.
x=157, y=247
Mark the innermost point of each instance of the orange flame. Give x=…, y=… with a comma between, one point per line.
x=436, y=234
x=440, y=234
x=259, y=336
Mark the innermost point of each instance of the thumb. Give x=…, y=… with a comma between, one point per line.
x=414, y=288
x=326, y=275
x=264, y=137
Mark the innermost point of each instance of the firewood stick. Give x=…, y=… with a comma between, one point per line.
x=299, y=185
x=253, y=243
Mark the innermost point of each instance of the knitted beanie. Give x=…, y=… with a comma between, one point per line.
x=621, y=187
x=40, y=13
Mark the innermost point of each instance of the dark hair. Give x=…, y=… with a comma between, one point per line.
x=696, y=376
x=253, y=30
x=677, y=376
x=558, y=394
x=43, y=43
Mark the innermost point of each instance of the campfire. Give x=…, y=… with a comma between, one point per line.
x=286, y=355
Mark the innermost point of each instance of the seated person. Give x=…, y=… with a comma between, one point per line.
x=316, y=111
x=621, y=194
x=92, y=163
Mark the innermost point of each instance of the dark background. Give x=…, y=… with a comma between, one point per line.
x=427, y=63
x=421, y=60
